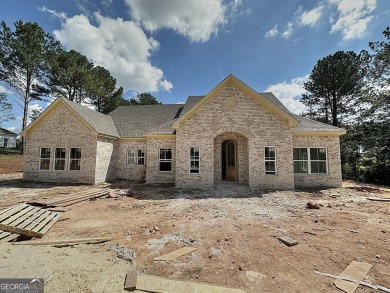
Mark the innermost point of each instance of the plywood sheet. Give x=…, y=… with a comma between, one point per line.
x=356, y=270
x=175, y=254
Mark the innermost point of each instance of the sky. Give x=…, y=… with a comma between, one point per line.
x=177, y=48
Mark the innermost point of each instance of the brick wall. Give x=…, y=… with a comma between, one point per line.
x=51, y=134
x=105, y=169
x=153, y=175
x=333, y=178
x=131, y=172
x=251, y=126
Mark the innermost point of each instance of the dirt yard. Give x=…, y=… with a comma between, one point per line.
x=234, y=229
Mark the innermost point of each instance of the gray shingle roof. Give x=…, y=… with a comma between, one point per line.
x=103, y=124
x=4, y=131
x=309, y=125
x=135, y=121
x=191, y=101
x=274, y=100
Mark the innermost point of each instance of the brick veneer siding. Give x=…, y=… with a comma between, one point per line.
x=131, y=172
x=105, y=169
x=51, y=134
x=333, y=178
x=248, y=121
x=153, y=175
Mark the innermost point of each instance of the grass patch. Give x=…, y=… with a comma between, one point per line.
x=11, y=161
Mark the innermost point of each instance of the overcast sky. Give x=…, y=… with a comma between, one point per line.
x=177, y=48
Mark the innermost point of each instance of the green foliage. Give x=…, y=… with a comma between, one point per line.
x=5, y=109
x=24, y=55
x=70, y=74
x=144, y=99
x=334, y=86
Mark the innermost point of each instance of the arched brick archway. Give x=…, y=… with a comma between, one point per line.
x=231, y=160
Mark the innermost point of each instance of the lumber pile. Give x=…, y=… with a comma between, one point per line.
x=77, y=197
x=26, y=220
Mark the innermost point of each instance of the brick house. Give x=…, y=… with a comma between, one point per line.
x=231, y=134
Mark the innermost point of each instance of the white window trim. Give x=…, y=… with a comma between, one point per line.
x=138, y=157
x=165, y=160
x=309, y=161
x=54, y=159
x=134, y=157
x=189, y=155
x=69, y=158
x=265, y=160
x=39, y=159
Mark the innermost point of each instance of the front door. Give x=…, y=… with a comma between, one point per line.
x=230, y=160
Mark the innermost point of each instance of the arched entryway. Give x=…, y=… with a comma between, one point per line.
x=231, y=158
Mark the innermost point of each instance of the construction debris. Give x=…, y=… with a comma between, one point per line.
x=124, y=253
x=288, y=241
x=150, y=283
x=312, y=206
x=65, y=242
x=78, y=197
x=379, y=199
x=130, y=281
x=175, y=254
x=357, y=282
x=26, y=220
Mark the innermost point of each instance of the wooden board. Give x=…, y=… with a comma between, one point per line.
x=288, y=241
x=383, y=199
x=357, y=271
x=66, y=241
x=7, y=236
x=150, y=283
x=175, y=254
x=130, y=281
x=23, y=219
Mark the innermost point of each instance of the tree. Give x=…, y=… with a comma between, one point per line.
x=144, y=99
x=70, y=75
x=102, y=91
x=335, y=85
x=24, y=55
x=5, y=109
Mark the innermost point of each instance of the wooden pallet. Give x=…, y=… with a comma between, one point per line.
x=7, y=236
x=23, y=219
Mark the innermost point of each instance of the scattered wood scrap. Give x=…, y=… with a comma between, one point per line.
x=65, y=241
x=23, y=219
x=130, y=281
x=312, y=206
x=7, y=236
x=150, y=283
x=175, y=254
x=376, y=287
x=383, y=199
x=288, y=241
x=77, y=197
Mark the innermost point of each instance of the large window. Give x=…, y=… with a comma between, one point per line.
x=44, y=159
x=130, y=156
x=194, y=160
x=310, y=160
x=165, y=160
x=270, y=160
x=59, y=159
x=141, y=158
x=74, y=159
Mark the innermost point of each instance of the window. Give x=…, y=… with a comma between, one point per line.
x=74, y=159
x=44, y=159
x=62, y=118
x=194, y=160
x=270, y=160
x=59, y=159
x=141, y=158
x=130, y=157
x=5, y=142
x=310, y=160
x=165, y=160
